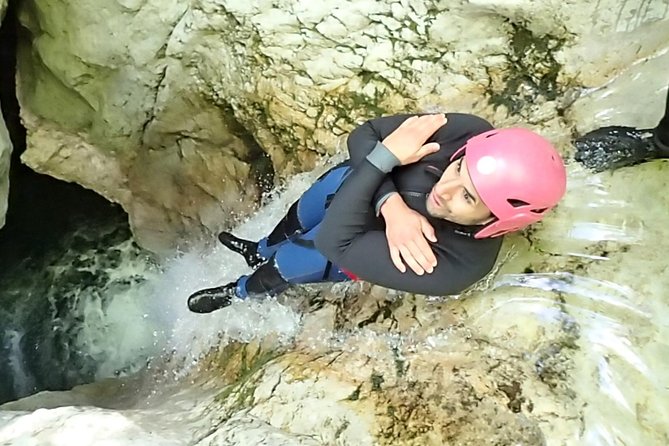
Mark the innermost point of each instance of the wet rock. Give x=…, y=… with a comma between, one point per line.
x=5, y=152
x=222, y=92
x=186, y=124
x=353, y=392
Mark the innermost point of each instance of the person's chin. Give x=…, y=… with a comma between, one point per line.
x=431, y=212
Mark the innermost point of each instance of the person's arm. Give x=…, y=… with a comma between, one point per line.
x=362, y=141
x=402, y=224
x=344, y=240
x=408, y=233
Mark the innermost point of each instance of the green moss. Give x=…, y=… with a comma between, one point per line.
x=377, y=381
x=533, y=71
x=553, y=362
x=225, y=393
x=383, y=312
x=355, y=395
x=350, y=104
x=250, y=362
x=360, y=101
x=400, y=363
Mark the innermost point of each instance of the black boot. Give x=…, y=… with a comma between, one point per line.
x=662, y=147
x=614, y=147
x=246, y=248
x=266, y=281
x=211, y=299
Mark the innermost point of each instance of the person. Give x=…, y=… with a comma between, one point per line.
x=613, y=147
x=419, y=206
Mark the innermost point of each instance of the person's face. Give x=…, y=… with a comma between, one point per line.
x=454, y=197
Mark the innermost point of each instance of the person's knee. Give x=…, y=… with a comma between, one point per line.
x=288, y=226
x=300, y=264
x=314, y=202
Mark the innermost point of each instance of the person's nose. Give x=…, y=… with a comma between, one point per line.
x=447, y=188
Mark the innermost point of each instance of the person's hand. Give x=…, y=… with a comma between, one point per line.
x=408, y=233
x=407, y=142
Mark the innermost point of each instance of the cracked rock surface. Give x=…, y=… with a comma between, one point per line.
x=5, y=150
x=186, y=123
x=184, y=112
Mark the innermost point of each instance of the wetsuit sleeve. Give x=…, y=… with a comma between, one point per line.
x=345, y=240
x=362, y=141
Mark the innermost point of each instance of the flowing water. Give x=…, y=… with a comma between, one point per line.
x=583, y=299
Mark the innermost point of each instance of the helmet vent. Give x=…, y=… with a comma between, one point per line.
x=490, y=135
x=517, y=203
x=539, y=211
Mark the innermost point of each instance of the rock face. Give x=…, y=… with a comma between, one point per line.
x=378, y=387
x=183, y=111
x=5, y=150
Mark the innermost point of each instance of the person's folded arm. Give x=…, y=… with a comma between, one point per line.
x=368, y=258
x=344, y=240
x=362, y=141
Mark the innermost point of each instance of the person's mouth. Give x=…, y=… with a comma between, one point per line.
x=435, y=200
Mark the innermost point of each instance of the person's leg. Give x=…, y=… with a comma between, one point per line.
x=302, y=216
x=266, y=280
x=618, y=146
x=662, y=130
x=305, y=213
x=294, y=262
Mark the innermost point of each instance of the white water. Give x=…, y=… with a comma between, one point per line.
x=618, y=369
x=148, y=320
x=613, y=309
x=23, y=381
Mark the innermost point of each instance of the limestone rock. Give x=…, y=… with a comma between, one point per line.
x=176, y=111
x=569, y=352
x=186, y=110
x=88, y=92
x=393, y=383
x=5, y=150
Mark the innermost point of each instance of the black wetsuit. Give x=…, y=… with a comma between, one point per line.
x=334, y=233
x=662, y=130
x=352, y=236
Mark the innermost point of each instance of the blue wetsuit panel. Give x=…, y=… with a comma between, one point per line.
x=296, y=258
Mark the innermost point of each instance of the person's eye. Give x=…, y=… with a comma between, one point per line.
x=468, y=198
x=459, y=165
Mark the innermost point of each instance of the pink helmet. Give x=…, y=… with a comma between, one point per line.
x=518, y=174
